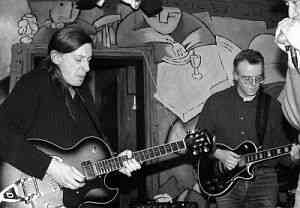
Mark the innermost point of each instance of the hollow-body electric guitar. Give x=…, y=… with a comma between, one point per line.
x=215, y=180
x=93, y=157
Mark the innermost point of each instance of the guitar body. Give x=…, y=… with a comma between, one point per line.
x=49, y=194
x=215, y=180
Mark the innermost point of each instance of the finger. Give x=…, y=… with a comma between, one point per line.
x=128, y=153
x=133, y=165
x=129, y=166
x=71, y=184
x=78, y=175
x=125, y=171
x=235, y=156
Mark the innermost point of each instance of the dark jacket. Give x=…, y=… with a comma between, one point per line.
x=36, y=109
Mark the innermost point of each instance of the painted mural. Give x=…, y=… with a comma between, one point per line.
x=193, y=51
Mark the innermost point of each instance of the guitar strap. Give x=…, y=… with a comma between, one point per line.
x=262, y=113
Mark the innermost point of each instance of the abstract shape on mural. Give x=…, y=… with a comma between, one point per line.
x=11, y=12
x=27, y=28
x=274, y=57
x=179, y=40
x=105, y=32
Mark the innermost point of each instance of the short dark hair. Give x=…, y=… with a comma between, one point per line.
x=250, y=55
x=68, y=39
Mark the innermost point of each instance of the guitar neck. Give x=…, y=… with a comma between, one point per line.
x=93, y=169
x=267, y=154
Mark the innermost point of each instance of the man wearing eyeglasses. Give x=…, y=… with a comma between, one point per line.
x=243, y=112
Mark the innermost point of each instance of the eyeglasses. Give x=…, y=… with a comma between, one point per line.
x=252, y=79
x=294, y=53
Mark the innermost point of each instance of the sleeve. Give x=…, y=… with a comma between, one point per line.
x=206, y=117
x=17, y=114
x=280, y=132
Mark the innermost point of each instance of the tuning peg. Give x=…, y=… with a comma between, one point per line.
x=195, y=153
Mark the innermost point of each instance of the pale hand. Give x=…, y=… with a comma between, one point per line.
x=130, y=165
x=228, y=158
x=179, y=50
x=295, y=152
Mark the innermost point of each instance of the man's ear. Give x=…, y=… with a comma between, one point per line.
x=56, y=57
x=235, y=76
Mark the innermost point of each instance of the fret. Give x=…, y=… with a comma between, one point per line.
x=103, y=165
x=181, y=145
x=136, y=156
x=110, y=165
x=151, y=153
x=156, y=151
x=142, y=156
x=147, y=156
x=273, y=152
x=113, y=165
x=168, y=148
x=174, y=146
x=162, y=150
x=246, y=158
x=117, y=162
x=88, y=169
x=98, y=167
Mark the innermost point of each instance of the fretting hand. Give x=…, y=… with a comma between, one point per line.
x=228, y=158
x=295, y=152
x=130, y=165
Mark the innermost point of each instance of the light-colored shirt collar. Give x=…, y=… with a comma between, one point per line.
x=249, y=98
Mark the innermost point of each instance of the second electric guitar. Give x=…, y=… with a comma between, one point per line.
x=215, y=180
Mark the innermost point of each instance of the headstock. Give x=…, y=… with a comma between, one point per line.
x=199, y=142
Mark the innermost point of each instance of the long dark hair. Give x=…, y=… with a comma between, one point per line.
x=65, y=40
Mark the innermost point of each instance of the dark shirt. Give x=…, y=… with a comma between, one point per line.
x=232, y=121
x=36, y=109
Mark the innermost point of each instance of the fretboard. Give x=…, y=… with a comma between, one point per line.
x=267, y=154
x=93, y=169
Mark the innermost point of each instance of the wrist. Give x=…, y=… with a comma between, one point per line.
x=217, y=153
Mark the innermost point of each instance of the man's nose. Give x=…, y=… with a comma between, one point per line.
x=86, y=66
x=254, y=81
x=163, y=17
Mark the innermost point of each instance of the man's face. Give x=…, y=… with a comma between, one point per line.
x=74, y=66
x=248, y=78
x=166, y=21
